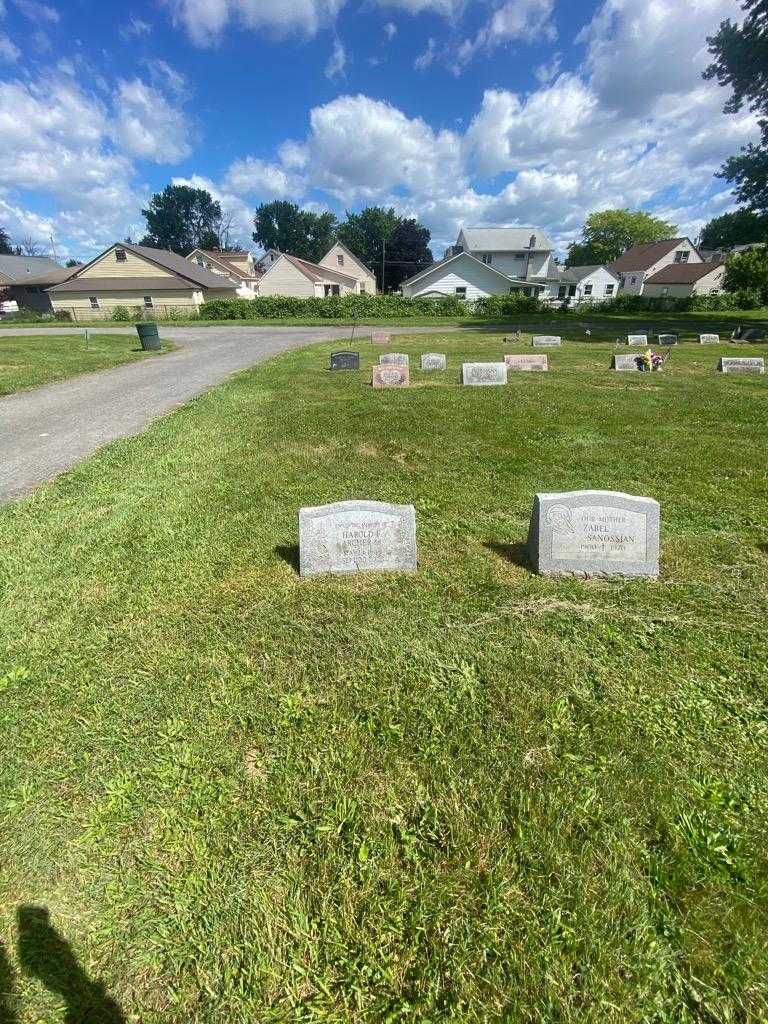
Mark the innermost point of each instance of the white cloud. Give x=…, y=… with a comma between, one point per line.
x=427, y=58
x=549, y=70
x=37, y=11
x=231, y=204
x=450, y=9
x=205, y=20
x=148, y=125
x=9, y=52
x=337, y=61
x=251, y=176
x=390, y=30
x=134, y=28
x=525, y=20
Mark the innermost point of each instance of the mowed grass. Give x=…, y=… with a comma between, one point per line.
x=26, y=362
x=467, y=794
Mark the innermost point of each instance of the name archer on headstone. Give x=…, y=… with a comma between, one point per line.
x=394, y=357
x=637, y=339
x=345, y=360
x=391, y=375
x=357, y=536
x=742, y=364
x=478, y=374
x=594, y=533
x=546, y=341
x=433, y=361
x=526, y=362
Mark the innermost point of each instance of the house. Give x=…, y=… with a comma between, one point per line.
x=22, y=275
x=33, y=293
x=289, y=275
x=679, y=280
x=137, y=276
x=643, y=261
x=236, y=264
x=488, y=261
x=340, y=258
x=582, y=284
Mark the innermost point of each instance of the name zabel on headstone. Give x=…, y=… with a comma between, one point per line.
x=433, y=361
x=529, y=362
x=626, y=363
x=381, y=338
x=391, y=375
x=357, y=536
x=637, y=339
x=394, y=357
x=345, y=360
x=484, y=373
x=546, y=341
x=709, y=339
x=742, y=364
x=667, y=339
x=594, y=533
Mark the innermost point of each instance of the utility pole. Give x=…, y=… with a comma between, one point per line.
x=53, y=249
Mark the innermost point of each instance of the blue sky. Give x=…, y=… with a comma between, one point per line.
x=459, y=112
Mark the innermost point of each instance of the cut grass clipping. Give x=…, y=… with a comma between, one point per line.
x=26, y=362
x=469, y=794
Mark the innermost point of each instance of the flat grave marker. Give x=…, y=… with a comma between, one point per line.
x=637, y=339
x=478, y=374
x=391, y=375
x=433, y=361
x=546, y=341
x=742, y=364
x=526, y=362
x=345, y=360
x=357, y=536
x=594, y=533
x=709, y=339
x=394, y=357
x=381, y=337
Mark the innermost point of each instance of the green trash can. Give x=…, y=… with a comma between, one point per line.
x=148, y=336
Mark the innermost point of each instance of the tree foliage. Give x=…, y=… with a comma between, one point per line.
x=609, y=233
x=6, y=249
x=376, y=232
x=748, y=271
x=738, y=227
x=741, y=63
x=182, y=218
x=286, y=227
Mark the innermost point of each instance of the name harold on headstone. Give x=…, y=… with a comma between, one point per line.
x=546, y=341
x=637, y=339
x=709, y=339
x=667, y=339
x=625, y=363
x=484, y=373
x=394, y=357
x=742, y=364
x=594, y=533
x=391, y=375
x=526, y=362
x=345, y=360
x=381, y=337
x=357, y=536
x=433, y=361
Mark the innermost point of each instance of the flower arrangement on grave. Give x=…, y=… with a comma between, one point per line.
x=650, y=361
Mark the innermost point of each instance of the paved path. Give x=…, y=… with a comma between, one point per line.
x=48, y=429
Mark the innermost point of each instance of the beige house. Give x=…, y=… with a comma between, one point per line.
x=236, y=264
x=641, y=262
x=289, y=275
x=138, y=277
x=341, y=259
x=679, y=280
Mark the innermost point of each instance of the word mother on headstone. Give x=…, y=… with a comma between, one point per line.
x=637, y=339
x=667, y=339
x=594, y=533
x=394, y=357
x=357, y=536
x=433, y=361
x=742, y=364
x=526, y=362
x=345, y=360
x=381, y=337
x=546, y=341
x=709, y=339
x=625, y=362
x=391, y=375
x=484, y=373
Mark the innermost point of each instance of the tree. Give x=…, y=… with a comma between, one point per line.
x=609, y=233
x=748, y=270
x=72, y=263
x=408, y=252
x=284, y=226
x=741, y=59
x=182, y=218
x=375, y=232
x=29, y=247
x=738, y=227
x=6, y=249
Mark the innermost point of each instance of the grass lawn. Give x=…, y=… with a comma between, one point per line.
x=469, y=794
x=26, y=362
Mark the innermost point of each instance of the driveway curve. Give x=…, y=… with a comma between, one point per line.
x=49, y=429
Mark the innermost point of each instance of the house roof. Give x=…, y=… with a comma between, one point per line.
x=222, y=259
x=643, y=257
x=19, y=268
x=178, y=265
x=146, y=285
x=313, y=271
x=469, y=256
x=507, y=239
x=50, y=278
x=683, y=273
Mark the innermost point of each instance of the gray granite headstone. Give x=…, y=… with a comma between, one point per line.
x=484, y=373
x=433, y=361
x=394, y=357
x=357, y=536
x=526, y=362
x=709, y=339
x=625, y=362
x=637, y=339
x=667, y=339
x=594, y=533
x=742, y=364
x=546, y=341
x=345, y=360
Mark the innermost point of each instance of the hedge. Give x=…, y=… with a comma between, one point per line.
x=624, y=303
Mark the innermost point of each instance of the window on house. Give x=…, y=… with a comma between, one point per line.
x=120, y=255
x=609, y=289
x=340, y=259
x=148, y=303
x=587, y=289
x=332, y=289
x=572, y=290
x=665, y=291
x=681, y=256
x=562, y=291
x=363, y=288
x=487, y=258
x=633, y=280
x=461, y=293
x=94, y=301
x=519, y=256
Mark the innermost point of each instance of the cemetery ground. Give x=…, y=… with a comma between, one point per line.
x=29, y=361
x=465, y=794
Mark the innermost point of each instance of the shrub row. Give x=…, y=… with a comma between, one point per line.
x=624, y=303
